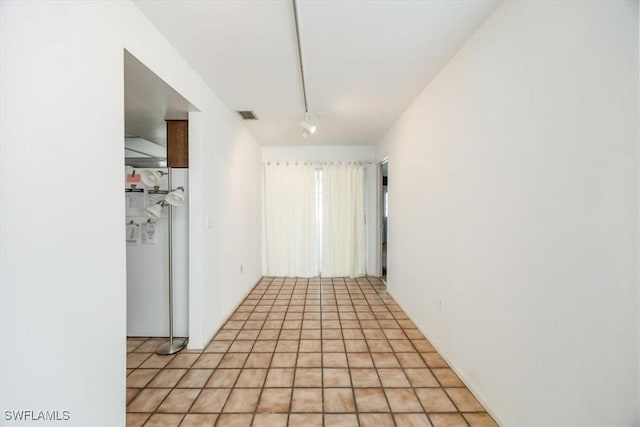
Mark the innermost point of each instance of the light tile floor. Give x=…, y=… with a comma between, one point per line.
x=303, y=352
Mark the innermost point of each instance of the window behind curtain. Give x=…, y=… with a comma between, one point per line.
x=291, y=235
x=314, y=219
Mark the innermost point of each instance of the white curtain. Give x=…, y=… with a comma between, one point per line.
x=291, y=240
x=343, y=228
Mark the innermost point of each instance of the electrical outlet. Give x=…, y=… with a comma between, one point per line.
x=441, y=306
x=242, y=269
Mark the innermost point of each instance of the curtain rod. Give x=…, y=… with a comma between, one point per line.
x=317, y=162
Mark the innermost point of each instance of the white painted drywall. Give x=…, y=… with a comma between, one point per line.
x=238, y=234
x=513, y=198
x=62, y=247
x=320, y=153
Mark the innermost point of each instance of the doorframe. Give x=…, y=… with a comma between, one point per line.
x=198, y=218
x=379, y=215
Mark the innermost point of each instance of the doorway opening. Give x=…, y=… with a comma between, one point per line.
x=149, y=103
x=157, y=236
x=384, y=215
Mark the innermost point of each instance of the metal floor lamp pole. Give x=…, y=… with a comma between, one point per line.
x=174, y=345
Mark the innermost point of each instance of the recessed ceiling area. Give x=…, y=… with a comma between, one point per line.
x=364, y=61
x=148, y=102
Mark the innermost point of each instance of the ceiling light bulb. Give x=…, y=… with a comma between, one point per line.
x=308, y=127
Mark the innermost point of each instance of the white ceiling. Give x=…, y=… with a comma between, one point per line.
x=364, y=60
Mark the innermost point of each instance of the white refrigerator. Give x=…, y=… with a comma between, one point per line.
x=148, y=259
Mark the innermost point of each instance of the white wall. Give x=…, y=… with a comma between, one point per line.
x=62, y=248
x=238, y=236
x=513, y=199
x=327, y=153
x=319, y=153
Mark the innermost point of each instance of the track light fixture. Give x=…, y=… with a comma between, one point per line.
x=307, y=128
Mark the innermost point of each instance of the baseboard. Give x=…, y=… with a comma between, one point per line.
x=207, y=341
x=465, y=379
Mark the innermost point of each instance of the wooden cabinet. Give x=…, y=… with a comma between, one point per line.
x=178, y=143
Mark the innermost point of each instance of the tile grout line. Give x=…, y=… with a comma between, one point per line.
x=233, y=387
x=255, y=411
x=386, y=398
x=322, y=349
x=336, y=299
x=430, y=371
x=346, y=354
x=295, y=366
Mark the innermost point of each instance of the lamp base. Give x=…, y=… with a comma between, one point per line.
x=166, y=347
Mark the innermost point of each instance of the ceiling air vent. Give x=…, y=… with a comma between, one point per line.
x=247, y=115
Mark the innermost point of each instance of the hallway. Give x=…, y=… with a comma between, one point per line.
x=303, y=352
